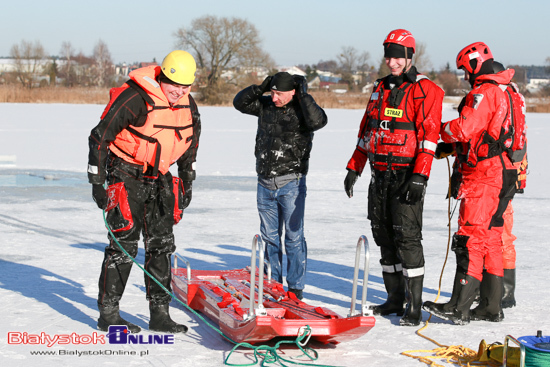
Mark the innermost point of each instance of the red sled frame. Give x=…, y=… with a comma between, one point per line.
x=231, y=299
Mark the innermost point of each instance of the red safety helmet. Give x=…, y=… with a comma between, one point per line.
x=401, y=37
x=477, y=50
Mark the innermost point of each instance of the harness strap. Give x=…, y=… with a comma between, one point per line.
x=389, y=159
x=391, y=125
x=178, y=129
x=152, y=140
x=497, y=146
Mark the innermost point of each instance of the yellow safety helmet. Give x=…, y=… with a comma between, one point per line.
x=179, y=66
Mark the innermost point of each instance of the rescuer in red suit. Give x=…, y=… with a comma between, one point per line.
x=398, y=136
x=487, y=186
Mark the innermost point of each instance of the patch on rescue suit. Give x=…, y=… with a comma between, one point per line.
x=393, y=112
x=477, y=100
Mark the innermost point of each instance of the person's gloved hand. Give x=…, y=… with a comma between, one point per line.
x=300, y=85
x=349, y=181
x=444, y=150
x=100, y=196
x=187, y=193
x=414, y=189
x=456, y=180
x=266, y=85
x=461, y=105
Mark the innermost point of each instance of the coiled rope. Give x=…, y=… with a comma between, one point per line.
x=536, y=358
x=266, y=353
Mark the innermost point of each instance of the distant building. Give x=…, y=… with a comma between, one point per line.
x=292, y=70
x=367, y=88
x=8, y=65
x=536, y=85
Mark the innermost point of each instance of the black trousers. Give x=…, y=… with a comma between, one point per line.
x=138, y=204
x=396, y=226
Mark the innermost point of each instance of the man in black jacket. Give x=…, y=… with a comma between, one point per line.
x=286, y=122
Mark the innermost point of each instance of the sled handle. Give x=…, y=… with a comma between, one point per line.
x=362, y=241
x=257, y=242
x=505, y=351
x=176, y=256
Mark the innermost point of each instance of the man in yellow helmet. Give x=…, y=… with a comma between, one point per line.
x=150, y=123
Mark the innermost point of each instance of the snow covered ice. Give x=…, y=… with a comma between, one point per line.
x=53, y=238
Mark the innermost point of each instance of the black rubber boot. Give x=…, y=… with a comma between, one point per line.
x=449, y=306
x=110, y=316
x=413, y=311
x=458, y=308
x=489, y=308
x=115, y=271
x=161, y=321
x=395, y=286
x=509, y=281
x=298, y=292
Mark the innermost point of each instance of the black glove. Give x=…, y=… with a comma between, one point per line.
x=456, y=180
x=100, y=196
x=461, y=105
x=266, y=85
x=414, y=189
x=187, y=193
x=349, y=181
x=300, y=84
x=444, y=150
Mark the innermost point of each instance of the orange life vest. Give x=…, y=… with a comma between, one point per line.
x=167, y=132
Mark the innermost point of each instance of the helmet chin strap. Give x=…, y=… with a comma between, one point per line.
x=407, y=64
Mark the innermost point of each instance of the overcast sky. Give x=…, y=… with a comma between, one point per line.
x=292, y=32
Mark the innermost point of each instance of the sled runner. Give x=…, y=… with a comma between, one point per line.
x=225, y=297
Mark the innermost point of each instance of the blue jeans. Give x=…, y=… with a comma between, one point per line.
x=278, y=209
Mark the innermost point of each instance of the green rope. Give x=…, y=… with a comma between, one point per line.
x=536, y=358
x=269, y=356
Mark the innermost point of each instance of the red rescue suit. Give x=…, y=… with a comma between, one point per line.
x=508, y=238
x=400, y=136
x=488, y=175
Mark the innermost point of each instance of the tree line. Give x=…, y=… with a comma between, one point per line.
x=219, y=44
x=32, y=67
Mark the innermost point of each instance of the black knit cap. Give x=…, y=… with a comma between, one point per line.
x=282, y=82
x=392, y=50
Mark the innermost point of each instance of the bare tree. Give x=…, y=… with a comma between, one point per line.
x=329, y=65
x=221, y=43
x=383, y=68
x=352, y=60
x=83, y=69
x=449, y=82
x=67, y=54
x=421, y=58
x=103, y=64
x=52, y=71
x=29, y=61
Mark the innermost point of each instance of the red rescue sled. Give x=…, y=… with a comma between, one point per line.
x=224, y=296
